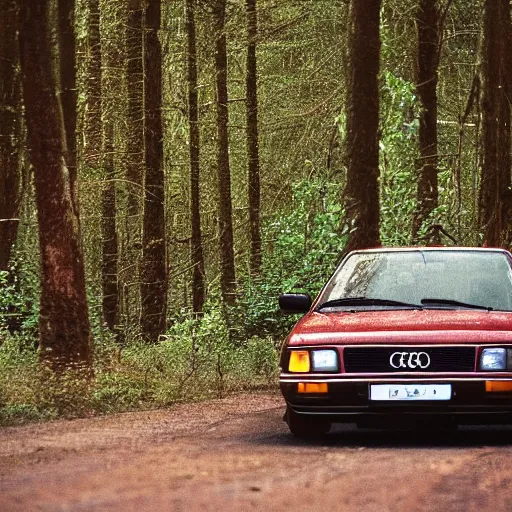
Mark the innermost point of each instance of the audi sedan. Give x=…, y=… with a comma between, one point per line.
x=402, y=337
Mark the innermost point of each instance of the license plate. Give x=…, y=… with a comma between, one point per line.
x=390, y=392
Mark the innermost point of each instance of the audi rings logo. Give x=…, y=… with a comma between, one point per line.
x=409, y=360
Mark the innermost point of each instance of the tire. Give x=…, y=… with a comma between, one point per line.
x=306, y=427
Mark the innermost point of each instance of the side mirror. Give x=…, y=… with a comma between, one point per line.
x=292, y=303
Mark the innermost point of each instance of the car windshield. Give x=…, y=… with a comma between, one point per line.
x=480, y=278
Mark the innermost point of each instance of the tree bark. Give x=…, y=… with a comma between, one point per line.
x=427, y=22
x=495, y=107
x=228, y=277
x=92, y=121
x=154, y=261
x=135, y=91
x=10, y=100
x=198, y=293
x=109, y=275
x=504, y=129
x=63, y=323
x=362, y=190
x=135, y=161
x=253, y=138
x=109, y=278
x=68, y=87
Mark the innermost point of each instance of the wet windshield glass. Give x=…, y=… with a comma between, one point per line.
x=473, y=277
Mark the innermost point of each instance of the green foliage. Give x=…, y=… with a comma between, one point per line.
x=65, y=394
x=400, y=111
x=8, y=297
x=19, y=292
x=196, y=360
x=18, y=375
x=303, y=249
x=398, y=154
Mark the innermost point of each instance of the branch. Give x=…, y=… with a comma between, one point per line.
x=440, y=30
x=444, y=14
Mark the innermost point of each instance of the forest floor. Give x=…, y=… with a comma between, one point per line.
x=236, y=454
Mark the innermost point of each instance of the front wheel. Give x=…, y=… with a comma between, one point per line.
x=306, y=427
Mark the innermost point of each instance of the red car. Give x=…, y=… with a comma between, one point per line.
x=407, y=336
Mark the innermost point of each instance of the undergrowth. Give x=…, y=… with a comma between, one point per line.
x=194, y=361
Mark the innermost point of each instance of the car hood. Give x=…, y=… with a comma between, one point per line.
x=403, y=326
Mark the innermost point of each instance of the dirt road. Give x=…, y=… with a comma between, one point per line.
x=236, y=454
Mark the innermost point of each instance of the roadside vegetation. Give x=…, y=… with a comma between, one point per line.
x=194, y=362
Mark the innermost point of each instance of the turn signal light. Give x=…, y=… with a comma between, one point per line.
x=497, y=386
x=299, y=361
x=312, y=387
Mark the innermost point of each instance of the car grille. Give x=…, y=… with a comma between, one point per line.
x=377, y=359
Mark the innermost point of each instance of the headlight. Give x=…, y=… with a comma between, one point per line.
x=324, y=360
x=493, y=359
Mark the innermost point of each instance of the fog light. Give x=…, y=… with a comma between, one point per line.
x=312, y=387
x=299, y=361
x=498, y=386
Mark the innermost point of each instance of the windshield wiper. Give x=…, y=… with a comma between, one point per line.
x=365, y=301
x=450, y=302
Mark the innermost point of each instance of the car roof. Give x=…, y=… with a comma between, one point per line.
x=431, y=248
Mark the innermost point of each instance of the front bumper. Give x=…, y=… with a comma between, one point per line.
x=347, y=400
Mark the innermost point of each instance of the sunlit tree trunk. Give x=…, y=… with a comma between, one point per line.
x=154, y=261
x=427, y=22
x=10, y=100
x=228, y=278
x=63, y=323
x=193, y=114
x=253, y=138
x=362, y=190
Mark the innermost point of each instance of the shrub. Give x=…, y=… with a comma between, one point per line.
x=304, y=248
x=195, y=360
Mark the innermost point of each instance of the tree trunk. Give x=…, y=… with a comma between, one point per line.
x=68, y=88
x=10, y=170
x=193, y=116
x=362, y=190
x=495, y=174
x=504, y=129
x=154, y=261
x=92, y=121
x=63, y=323
x=135, y=161
x=135, y=91
x=228, y=278
x=109, y=232
x=109, y=276
x=253, y=139
x=427, y=22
